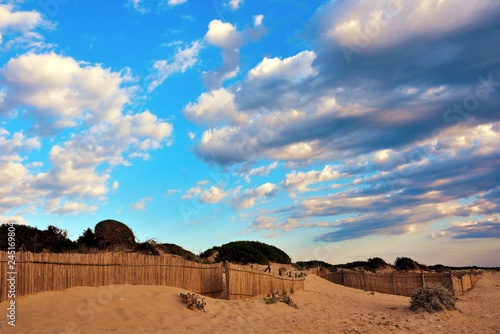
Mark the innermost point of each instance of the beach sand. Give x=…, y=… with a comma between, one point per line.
x=323, y=308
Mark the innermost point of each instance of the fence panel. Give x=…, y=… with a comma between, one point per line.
x=54, y=272
x=466, y=283
x=382, y=283
x=354, y=280
x=402, y=283
x=243, y=282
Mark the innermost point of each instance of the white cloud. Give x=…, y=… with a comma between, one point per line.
x=234, y=4
x=248, y=198
x=20, y=22
x=171, y=191
x=213, y=107
x=229, y=39
x=213, y=195
x=145, y=6
x=12, y=218
x=191, y=135
x=299, y=181
x=223, y=34
x=182, y=61
x=175, y=2
x=141, y=205
x=115, y=185
x=294, y=68
x=191, y=193
x=54, y=207
x=360, y=24
x=259, y=171
x=63, y=91
x=75, y=162
x=257, y=19
x=66, y=93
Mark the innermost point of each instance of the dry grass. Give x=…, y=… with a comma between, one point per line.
x=432, y=298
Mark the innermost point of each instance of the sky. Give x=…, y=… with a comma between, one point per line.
x=334, y=130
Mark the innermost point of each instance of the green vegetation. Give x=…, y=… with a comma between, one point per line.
x=375, y=262
x=87, y=239
x=274, y=297
x=432, y=298
x=32, y=239
x=110, y=234
x=178, y=250
x=248, y=252
x=314, y=263
x=405, y=263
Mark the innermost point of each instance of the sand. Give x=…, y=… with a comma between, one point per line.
x=323, y=308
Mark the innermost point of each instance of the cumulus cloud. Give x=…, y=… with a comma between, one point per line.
x=214, y=107
x=182, y=61
x=55, y=207
x=299, y=181
x=294, y=69
x=141, y=205
x=234, y=4
x=59, y=92
x=229, y=39
x=213, y=195
x=75, y=163
x=62, y=91
x=16, y=28
x=259, y=171
x=248, y=198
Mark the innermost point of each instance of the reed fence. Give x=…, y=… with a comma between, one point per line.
x=243, y=282
x=54, y=272
x=402, y=284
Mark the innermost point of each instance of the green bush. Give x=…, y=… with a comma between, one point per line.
x=248, y=252
x=405, y=263
x=375, y=263
x=432, y=298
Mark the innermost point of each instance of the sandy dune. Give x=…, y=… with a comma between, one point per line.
x=323, y=308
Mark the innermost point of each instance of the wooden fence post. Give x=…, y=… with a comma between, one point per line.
x=364, y=279
x=342, y=276
x=393, y=283
x=226, y=265
x=453, y=284
x=423, y=280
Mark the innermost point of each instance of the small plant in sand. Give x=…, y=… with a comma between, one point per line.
x=193, y=301
x=292, y=291
x=432, y=298
x=274, y=296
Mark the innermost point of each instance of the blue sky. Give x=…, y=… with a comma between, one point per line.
x=336, y=130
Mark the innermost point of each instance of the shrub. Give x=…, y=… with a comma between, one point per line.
x=87, y=239
x=432, y=298
x=375, y=263
x=274, y=296
x=248, y=252
x=110, y=234
x=405, y=263
x=193, y=301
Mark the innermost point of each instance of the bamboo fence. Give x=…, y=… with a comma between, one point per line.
x=54, y=272
x=402, y=284
x=243, y=282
